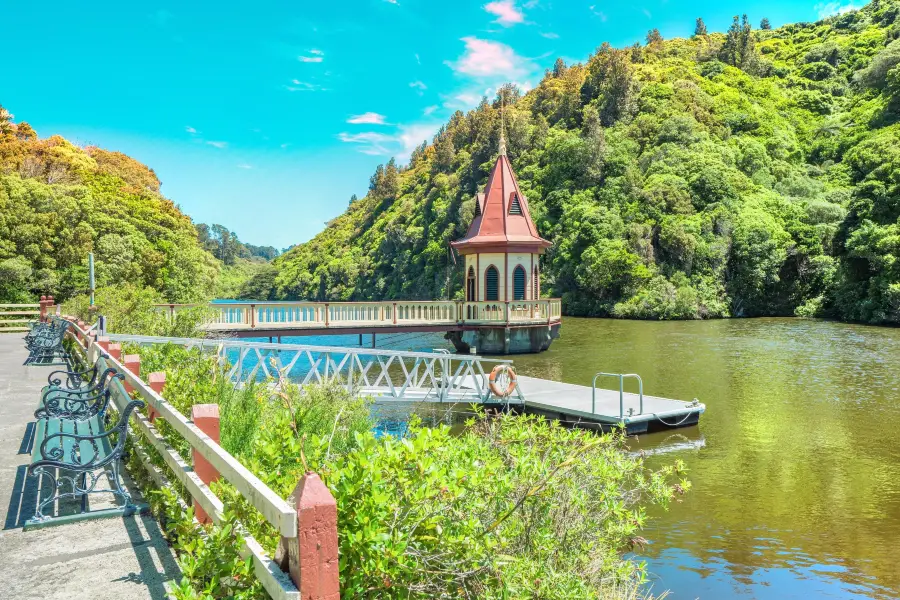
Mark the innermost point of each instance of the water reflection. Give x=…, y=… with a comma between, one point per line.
x=795, y=465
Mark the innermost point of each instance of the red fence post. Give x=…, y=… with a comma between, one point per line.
x=156, y=381
x=43, y=305
x=132, y=363
x=115, y=351
x=103, y=342
x=206, y=418
x=313, y=554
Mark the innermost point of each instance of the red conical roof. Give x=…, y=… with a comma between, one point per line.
x=494, y=229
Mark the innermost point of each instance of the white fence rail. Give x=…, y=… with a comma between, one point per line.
x=383, y=375
x=277, y=511
x=234, y=316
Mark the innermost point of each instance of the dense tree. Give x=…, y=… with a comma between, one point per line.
x=739, y=49
x=654, y=36
x=699, y=28
x=59, y=202
x=702, y=191
x=764, y=24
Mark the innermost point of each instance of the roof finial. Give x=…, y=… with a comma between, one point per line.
x=502, y=130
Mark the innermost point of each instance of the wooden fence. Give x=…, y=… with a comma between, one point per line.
x=18, y=317
x=313, y=564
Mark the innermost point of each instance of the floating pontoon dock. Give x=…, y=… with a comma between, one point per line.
x=586, y=406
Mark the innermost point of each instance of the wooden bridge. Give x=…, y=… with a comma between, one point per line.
x=516, y=319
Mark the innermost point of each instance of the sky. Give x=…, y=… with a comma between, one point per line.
x=266, y=117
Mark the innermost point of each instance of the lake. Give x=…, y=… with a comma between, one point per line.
x=795, y=464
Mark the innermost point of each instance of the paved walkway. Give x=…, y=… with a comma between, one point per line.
x=105, y=559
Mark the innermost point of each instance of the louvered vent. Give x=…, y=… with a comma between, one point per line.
x=514, y=207
x=491, y=280
x=477, y=208
x=519, y=278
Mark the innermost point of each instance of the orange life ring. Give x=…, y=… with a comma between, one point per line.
x=495, y=374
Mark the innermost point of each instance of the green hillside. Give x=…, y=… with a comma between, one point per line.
x=58, y=202
x=737, y=174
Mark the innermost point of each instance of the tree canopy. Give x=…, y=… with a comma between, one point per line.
x=736, y=174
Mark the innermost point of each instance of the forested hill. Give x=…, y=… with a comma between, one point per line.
x=58, y=202
x=753, y=172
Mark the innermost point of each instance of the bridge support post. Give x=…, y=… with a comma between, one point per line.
x=373, y=340
x=206, y=418
x=312, y=556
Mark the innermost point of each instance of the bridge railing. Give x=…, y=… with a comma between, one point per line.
x=383, y=375
x=311, y=315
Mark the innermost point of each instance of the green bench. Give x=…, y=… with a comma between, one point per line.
x=74, y=448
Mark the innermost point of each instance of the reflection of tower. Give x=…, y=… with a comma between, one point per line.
x=502, y=247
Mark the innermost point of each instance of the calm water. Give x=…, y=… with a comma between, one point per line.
x=795, y=465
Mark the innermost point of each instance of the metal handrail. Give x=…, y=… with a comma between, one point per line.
x=621, y=377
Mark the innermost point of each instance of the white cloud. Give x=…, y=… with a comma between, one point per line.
x=430, y=109
x=550, y=35
x=597, y=13
x=283, y=146
x=218, y=144
x=401, y=144
x=827, y=9
x=304, y=86
x=484, y=58
x=412, y=136
x=506, y=12
x=315, y=56
x=418, y=61
x=369, y=142
x=643, y=10
x=465, y=100
x=394, y=2
x=190, y=129
x=245, y=166
x=418, y=86
x=369, y=118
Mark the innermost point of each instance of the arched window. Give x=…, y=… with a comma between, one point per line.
x=536, y=285
x=470, y=285
x=519, y=279
x=491, y=287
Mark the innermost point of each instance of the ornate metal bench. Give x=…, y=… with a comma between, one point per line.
x=45, y=343
x=73, y=448
x=69, y=402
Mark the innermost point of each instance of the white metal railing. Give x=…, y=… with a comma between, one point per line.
x=277, y=511
x=383, y=375
x=235, y=316
x=621, y=377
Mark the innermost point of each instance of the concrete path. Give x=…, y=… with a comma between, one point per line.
x=105, y=559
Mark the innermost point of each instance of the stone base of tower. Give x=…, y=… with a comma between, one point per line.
x=520, y=339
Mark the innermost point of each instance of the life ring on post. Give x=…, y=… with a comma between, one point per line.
x=496, y=374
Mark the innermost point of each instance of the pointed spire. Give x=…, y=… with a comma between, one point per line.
x=502, y=129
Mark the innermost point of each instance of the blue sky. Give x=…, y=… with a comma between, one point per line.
x=265, y=117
